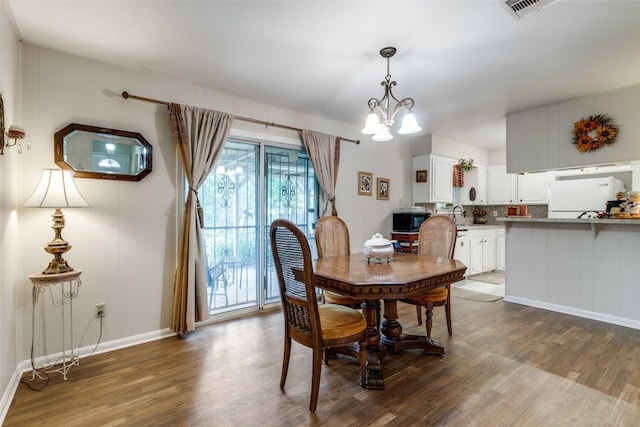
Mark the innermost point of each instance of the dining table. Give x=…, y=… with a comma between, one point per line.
x=403, y=275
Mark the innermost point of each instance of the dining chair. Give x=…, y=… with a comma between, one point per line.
x=332, y=239
x=437, y=237
x=313, y=325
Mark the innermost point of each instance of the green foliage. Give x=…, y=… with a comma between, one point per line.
x=466, y=164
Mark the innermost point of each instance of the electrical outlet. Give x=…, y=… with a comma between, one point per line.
x=495, y=213
x=101, y=310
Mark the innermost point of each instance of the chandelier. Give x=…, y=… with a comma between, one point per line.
x=381, y=117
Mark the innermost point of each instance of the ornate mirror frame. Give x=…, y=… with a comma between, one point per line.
x=101, y=153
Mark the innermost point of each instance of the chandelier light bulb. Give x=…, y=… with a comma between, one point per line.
x=372, y=125
x=383, y=135
x=409, y=124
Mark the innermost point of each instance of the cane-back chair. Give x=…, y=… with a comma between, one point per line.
x=313, y=325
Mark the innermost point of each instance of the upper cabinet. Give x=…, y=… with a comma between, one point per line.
x=508, y=188
x=541, y=138
x=532, y=188
x=501, y=186
x=475, y=179
x=439, y=185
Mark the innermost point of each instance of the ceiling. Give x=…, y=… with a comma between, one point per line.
x=465, y=63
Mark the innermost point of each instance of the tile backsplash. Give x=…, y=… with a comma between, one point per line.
x=536, y=211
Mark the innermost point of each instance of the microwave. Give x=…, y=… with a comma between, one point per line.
x=409, y=221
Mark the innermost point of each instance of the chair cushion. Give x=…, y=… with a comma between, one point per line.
x=433, y=296
x=339, y=321
x=335, y=298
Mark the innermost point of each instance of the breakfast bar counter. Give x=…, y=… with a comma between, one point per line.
x=604, y=221
x=584, y=267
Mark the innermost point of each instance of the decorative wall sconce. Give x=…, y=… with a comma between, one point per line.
x=17, y=134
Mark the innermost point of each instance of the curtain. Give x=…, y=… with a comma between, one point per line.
x=458, y=176
x=200, y=136
x=324, y=152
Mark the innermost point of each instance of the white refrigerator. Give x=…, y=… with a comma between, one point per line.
x=575, y=197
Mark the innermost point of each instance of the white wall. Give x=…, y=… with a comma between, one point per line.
x=436, y=144
x=497, y=156
x=10, y=281
x=126, y=243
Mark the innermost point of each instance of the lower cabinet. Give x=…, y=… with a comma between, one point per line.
x=479, y=250
x=462, y=252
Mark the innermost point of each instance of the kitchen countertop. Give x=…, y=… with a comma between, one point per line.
x=465, y=227
x=572, y=220
x=594, y=223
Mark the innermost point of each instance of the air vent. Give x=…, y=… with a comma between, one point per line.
x=519, y=8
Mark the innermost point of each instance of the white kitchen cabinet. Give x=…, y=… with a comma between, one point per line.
x=439, y=185
x=462, y=252
x=532, y=188
x=501, y=251
x=475, y=256
x=482, y=250
x=489, y=252
x=508, y=188
x=475, y=178
x=502, y=186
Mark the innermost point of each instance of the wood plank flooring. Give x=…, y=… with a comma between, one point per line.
x=505, y=365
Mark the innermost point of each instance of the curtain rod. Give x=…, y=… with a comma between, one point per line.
x=127, y=95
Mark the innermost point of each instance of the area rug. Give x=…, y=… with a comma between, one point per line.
x=489, y=277
x=477, y=291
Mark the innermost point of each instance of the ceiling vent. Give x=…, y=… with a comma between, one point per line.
x=519, y=8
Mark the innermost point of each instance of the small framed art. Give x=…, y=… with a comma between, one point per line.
x=365, y=180
x=383, y=185
x=421, y=176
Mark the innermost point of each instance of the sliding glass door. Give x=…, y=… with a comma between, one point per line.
x=251, y=185
x=291, y=193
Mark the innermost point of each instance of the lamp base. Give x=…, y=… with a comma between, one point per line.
x=57, y=247
x=57, y=264
x=57, y=267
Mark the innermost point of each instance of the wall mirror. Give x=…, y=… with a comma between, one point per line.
x=93, y=152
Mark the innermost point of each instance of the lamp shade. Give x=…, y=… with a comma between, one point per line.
x=409, y=124
x=372, y=124
x=56, y=189
x=383, y=135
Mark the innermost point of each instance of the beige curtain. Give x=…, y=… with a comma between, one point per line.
x=324, y=152
x=199, y=136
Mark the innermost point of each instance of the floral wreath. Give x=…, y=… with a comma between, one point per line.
x=593, y=132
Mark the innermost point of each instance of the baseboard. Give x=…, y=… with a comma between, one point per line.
x=9, y=392
x=83, y=352
x=607, y=318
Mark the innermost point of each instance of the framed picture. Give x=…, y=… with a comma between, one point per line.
x=383, y=189
x=365, y=180
x=421, y=176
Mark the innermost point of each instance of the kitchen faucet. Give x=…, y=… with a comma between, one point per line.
x=453, y=212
